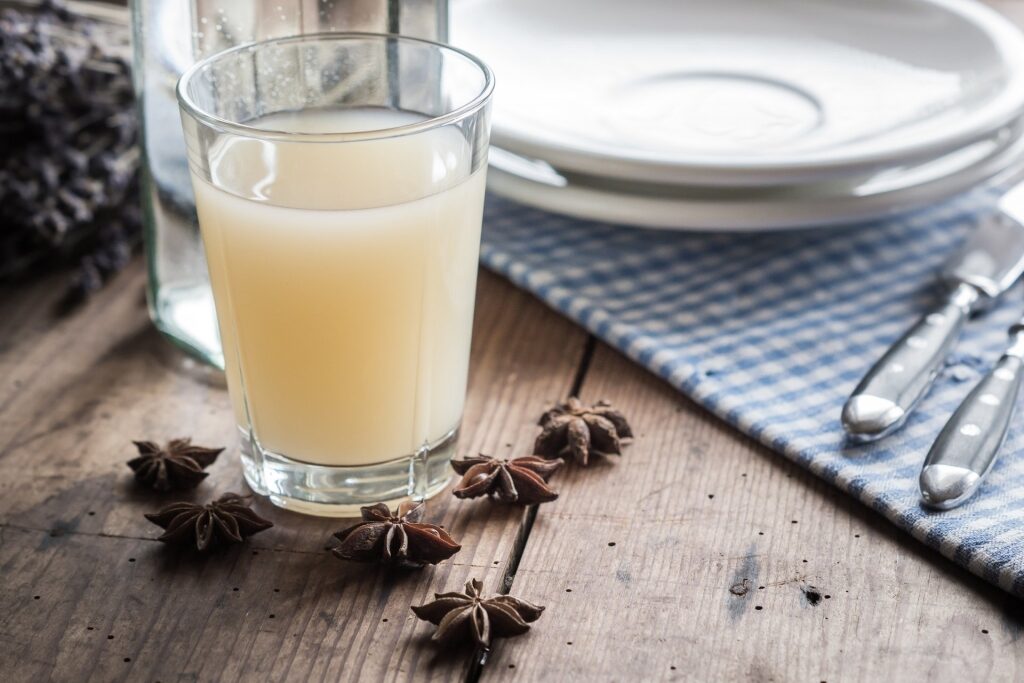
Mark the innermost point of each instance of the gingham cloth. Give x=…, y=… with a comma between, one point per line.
x=771, y=332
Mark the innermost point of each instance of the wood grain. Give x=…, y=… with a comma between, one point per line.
x=88, y=595
x=700, y=555
x=700, y=518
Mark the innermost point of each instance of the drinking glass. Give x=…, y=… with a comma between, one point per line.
x=339, y=182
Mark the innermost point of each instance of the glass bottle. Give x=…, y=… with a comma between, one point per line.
x=171, y=35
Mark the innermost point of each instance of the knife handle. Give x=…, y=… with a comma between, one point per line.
x=968, y=445
x=888, y=393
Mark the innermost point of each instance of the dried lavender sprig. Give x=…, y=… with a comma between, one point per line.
x=68, y=156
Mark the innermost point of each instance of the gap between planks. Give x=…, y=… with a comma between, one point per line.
x=508, y=577
x=72, y=389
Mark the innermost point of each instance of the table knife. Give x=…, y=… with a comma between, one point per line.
x=989, y=262
x=969, y=444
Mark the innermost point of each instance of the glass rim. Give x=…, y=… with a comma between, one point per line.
x=189, y=106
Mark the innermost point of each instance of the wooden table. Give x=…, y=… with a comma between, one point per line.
x=699, y=555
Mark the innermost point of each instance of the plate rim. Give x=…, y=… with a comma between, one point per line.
x=757, y=215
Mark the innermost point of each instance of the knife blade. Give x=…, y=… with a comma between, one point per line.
x=969, y=443
x=989, y=262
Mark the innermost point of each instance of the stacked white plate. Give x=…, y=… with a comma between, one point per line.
x=745, y=114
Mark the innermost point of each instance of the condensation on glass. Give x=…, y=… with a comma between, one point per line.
x=170, y=36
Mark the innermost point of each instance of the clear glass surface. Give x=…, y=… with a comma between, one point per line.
x=169, y=36
x=339, y=182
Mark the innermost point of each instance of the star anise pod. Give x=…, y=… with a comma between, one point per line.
x=226, y=520
x=520, y=480
x=579, y=430
x=178, y=465
x=400, y=539
x=468, y=615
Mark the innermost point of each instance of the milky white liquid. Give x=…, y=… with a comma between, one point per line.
x=344, y=284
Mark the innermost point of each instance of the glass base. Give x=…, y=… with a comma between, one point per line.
x=340, y=491
x=185, y=315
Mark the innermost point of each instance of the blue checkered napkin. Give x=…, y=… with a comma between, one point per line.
x=771, y=332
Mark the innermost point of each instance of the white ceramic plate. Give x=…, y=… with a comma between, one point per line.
x=742, y=92
x=875, y=195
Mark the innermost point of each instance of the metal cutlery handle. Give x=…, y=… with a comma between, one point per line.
x=900, y=378
x=968, y=445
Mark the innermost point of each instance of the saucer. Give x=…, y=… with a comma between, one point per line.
x=743, y=92
x=831, y=203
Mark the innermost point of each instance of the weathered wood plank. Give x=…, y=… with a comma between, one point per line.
x=694, y=510
x=74, y=391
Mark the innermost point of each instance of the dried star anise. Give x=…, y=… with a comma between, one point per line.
x=573, y=428
x=521, y=480
x=178, y=465
x=400, y=538
x=226, y=520
x=467, y=615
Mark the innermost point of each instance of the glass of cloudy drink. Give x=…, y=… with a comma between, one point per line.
x=339, y=181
